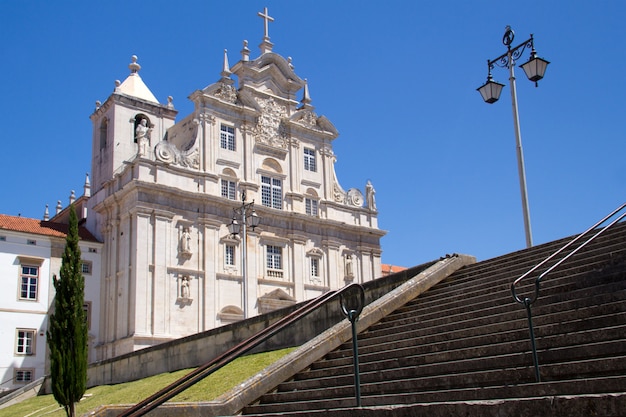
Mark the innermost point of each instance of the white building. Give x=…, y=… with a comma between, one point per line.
x=164, y=194
x=30, y=254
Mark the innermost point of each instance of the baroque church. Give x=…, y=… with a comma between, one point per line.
x=164, y=193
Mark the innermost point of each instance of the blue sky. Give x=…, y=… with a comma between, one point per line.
x=398, y=79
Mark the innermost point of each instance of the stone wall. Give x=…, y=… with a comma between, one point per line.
x=195, y=350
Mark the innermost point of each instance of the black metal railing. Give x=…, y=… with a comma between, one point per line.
x=207, y=369
x=529, y=301
x=352, y=310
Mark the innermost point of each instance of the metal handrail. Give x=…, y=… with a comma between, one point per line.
x=529, y=301
x=352, y=314
x=233, y=353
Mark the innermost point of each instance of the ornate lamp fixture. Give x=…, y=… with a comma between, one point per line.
x=248, y=217
x=535, y=69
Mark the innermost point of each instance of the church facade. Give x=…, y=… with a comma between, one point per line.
x=164, y=194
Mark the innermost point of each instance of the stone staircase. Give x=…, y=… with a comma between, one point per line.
x=463, y=348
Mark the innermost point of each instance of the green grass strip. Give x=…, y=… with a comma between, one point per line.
x=208, y=389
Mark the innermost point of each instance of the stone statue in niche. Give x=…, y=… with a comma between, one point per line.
x=142, y=137
x=185, y=242
x=184, y=288
x=349, y=266
x=370, y=196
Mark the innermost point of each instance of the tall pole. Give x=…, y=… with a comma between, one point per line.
x=244, y=270
x=520, y=153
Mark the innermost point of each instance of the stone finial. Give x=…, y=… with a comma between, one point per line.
x=87, y=186
x=245, y=52
x=170, y=102
x=117, y=85
x=46, y=214
x=225, y=67
x=59, y=207
x=98, y=104
x=134, y=66
x=290, y=62
x=72, y=197
x=306, y=98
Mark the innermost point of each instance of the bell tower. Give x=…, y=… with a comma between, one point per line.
x=126, y=126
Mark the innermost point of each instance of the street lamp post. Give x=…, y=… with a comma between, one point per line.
x=535, y=69
x=248, y=216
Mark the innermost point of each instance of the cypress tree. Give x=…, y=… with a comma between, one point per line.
x=67, y=334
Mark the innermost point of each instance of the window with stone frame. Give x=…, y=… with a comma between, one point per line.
x=274, y=261
x=29, y=282
x=25, y=342
x=23, y=375
x=229, y=189
x=315, y=267
x=272, y=192
x=85, y=267
x=227, y=137
x=310, y=206
x=229, y=255
x=310, y=163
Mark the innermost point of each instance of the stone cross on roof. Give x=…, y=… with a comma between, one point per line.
x=267, y=18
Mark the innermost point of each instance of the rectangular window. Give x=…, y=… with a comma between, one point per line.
x=25, y=342
x=229, y=255
x=309, y=160
x=272, y=192
x=31, y=242
x=228, y=189
x=227, y=137
x=93, y=250
x=315, y=267
x=310, y=206
x=23, y=376
x=274, y=261
x=29, y=282
x=86, y=267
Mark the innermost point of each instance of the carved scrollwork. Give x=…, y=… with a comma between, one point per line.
x=270, y=130
x=168, y=153
x=355, y=197
x=339, y=195
x=309, y=119
x=227, y=93
x=165, y=152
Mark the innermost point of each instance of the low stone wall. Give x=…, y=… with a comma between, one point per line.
x=198, y=349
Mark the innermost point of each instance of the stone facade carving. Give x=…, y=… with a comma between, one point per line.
x=142, y=136
x=355, y=197
x=168, y=153
x=269, y=130
x=226, y=92
x=185, y=243
x=370, y=196
x=349, y=267
x=309, y=119
x=339, y=195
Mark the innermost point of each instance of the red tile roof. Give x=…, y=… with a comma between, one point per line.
x=40, y=227
x=391, y=269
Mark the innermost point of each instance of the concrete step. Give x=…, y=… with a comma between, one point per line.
x=602, y=385
x=467, y=340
